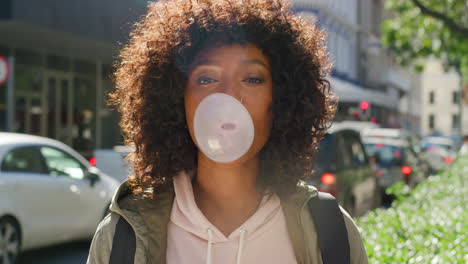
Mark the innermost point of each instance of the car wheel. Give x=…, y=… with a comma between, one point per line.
x=10, y=241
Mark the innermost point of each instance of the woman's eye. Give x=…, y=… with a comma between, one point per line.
x=254, y=80
x=205, y=80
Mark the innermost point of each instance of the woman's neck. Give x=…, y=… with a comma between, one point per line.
x=227, y=194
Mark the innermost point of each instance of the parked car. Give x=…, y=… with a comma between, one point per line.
x=395, y=161
x=439, y=152
x=49, y=194
x=342, y=169
x=112, y=161
x=394, y=133
x=439, y=142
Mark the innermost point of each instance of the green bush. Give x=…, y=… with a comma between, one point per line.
x=429, y=225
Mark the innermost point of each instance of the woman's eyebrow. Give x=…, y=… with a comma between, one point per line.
x=255, y=61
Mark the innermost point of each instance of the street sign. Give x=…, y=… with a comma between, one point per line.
x=4, y=70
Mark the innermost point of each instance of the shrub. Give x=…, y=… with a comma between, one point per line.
x=428, y=225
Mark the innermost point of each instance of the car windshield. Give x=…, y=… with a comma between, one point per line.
x=323, y=154
x=429, y=146
x=388, y=154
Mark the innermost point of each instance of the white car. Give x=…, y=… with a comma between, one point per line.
x=112, y=161
x=49, y=194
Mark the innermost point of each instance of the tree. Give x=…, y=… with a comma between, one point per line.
x=421, y=28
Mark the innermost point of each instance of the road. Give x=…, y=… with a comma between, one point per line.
x=71, y=253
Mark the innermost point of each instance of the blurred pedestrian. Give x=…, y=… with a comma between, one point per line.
x=225, y=102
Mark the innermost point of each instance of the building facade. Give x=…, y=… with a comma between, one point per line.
x=441, y=101
x=363, y=70
x=61, y=54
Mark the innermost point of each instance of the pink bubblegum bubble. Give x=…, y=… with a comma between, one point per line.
x=223, y=128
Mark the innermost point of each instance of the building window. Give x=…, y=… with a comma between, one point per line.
x=455, y=97
x=431, y=121
x=431, y=97
x=28, y=58
x=84, y=67
x=58, y=63
x=455, y=121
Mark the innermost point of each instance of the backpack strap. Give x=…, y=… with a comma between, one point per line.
x=331, y=229
x=123, y=244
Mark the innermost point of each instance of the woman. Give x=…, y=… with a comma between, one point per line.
x=225, y=103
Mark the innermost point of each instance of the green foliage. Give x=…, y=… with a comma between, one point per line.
x=430, y=225
x=413, y=35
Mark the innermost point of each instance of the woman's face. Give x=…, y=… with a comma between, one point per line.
x=241, y=71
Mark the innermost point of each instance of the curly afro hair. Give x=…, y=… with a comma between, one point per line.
x=153, y=68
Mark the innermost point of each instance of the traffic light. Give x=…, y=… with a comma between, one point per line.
x=364, y=105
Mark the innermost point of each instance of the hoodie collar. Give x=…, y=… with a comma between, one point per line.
x=149, y=217
x=186, y=214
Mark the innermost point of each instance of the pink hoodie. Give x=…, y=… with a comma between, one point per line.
x=263, y=238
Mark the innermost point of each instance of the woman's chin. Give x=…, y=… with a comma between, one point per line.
x=206, y=161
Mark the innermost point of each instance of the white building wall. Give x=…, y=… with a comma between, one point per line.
x=339, y=19
x=354, y=46
x=443, y=84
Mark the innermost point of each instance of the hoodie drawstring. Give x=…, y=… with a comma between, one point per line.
x=239, y=249
x=241, y=245
x=210, y=242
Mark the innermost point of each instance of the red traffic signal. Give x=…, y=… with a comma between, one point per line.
x=364, y=105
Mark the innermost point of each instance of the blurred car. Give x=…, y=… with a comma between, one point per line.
x=395, y=161
x=410, y=140
x=343, y=170
x=440, y=143
x=48, y=194
x=356, y=125
x=394, y=133
x=439, y=152
x=112, y=161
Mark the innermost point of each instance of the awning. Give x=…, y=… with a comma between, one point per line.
x=352, y=93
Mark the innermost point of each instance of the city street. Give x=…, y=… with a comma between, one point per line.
x=70, y=253
x=214, y=105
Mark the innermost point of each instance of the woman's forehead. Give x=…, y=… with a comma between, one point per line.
x=244, y=54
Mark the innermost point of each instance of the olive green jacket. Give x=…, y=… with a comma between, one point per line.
x=150, y=218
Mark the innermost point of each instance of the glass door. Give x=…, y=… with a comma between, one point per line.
x=60, y=107
x=28, y=110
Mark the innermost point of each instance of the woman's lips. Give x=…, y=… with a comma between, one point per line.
x=228, y=126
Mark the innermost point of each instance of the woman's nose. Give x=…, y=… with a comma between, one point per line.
x=232, y=88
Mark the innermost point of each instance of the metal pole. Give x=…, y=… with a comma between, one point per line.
x=10, y=99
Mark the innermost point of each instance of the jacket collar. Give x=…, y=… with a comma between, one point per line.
x=150, y=217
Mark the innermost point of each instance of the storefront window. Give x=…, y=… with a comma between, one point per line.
x=28, y=80
x=4, y=51
x=84, y=115
x=110, y=131
x=3, y=90
x=27, y=103
x=28, y=58
x=84, y=67
x=58, y=63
